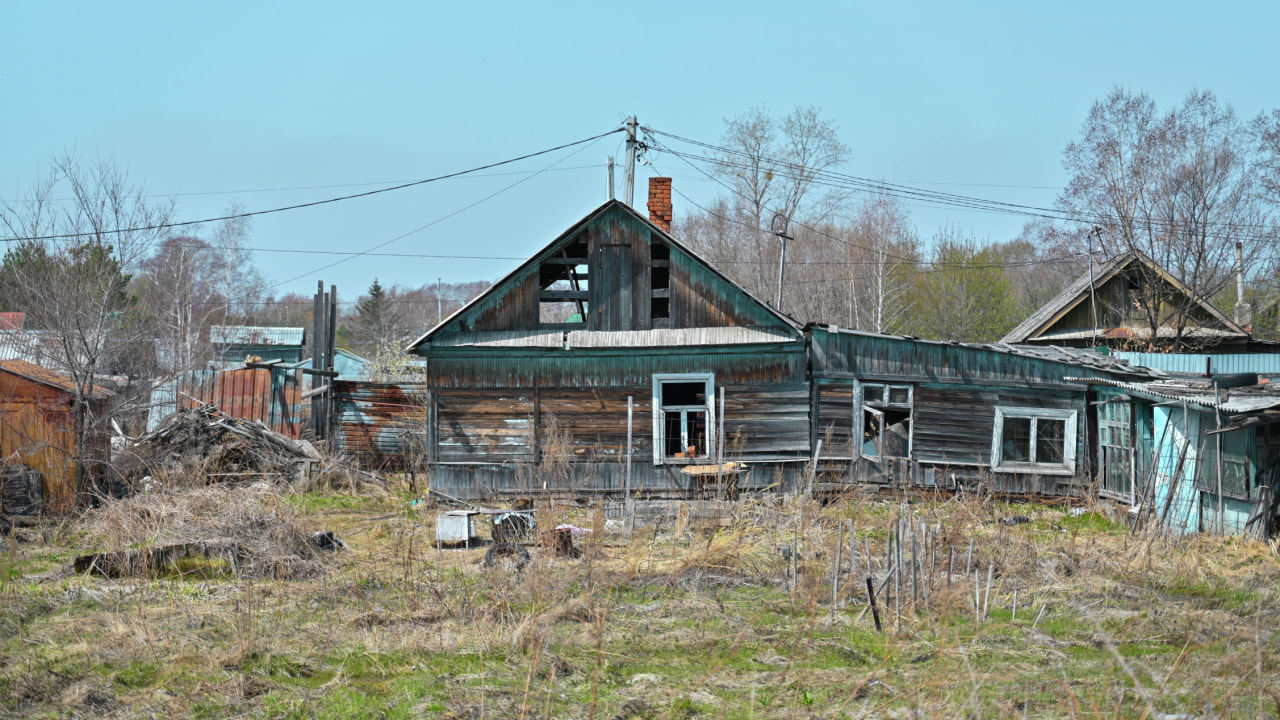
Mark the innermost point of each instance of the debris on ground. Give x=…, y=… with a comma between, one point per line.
x=236, y=531
x=206, y=443
x=513, y=527
x=561, y=541
x=507, y=553
x=21, y=491
x=326, y=540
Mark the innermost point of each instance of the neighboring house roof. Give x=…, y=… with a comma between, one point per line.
x=249, y=335
x=611, y=206
x=44, y=376
x=11, y=320
x=1263, y=363
x=39, y=347
x=1040, y=322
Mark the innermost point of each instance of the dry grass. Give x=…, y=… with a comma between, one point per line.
x=677, y=621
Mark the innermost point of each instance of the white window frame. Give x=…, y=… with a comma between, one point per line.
x=660, y=427
x=1067, y=467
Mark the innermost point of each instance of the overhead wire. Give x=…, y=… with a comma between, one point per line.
x=315, y=203
x=902, y=191
x=352, y=256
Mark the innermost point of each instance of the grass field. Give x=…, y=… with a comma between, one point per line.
x=674, y=622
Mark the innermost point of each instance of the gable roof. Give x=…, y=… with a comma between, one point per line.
x=610, y=206
x=1078, y=291
x=44, y=376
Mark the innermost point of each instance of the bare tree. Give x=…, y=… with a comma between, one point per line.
x=66, y=271
x=771, y=165
x=1178, y=187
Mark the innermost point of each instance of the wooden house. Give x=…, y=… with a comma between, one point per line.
x=904, y=411
x=613, y=355
x=38, y=428
x=616, y=336
x=1117, y=304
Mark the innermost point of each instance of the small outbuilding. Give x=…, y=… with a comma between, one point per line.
x=38, y=428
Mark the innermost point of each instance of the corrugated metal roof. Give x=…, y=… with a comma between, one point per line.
x=1199, y=391
x=682, y=337
x=48, y=377
x=1264, y=363
x=248, y=335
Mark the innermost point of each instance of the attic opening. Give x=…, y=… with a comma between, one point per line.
x=660, y=280
x=564, y=281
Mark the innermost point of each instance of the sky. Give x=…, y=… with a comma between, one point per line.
x=265, y=105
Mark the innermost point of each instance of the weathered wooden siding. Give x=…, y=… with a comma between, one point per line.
x=769, y=421
x=834, y=423
x=592, y=423
x=954, y=425
x=515, y=308
x=887, y=358
x=484, y=425
x=38, y=425
x=701, y=298
x=613, y=368
x=619, y=286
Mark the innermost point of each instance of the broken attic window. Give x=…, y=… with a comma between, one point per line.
x=563, y=282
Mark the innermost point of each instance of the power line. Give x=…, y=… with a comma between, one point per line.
x=901, y=191
x=402, y=186
x=462, y=209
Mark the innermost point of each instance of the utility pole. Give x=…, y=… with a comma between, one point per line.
x=1093, y=298
x=779, y=227
x=629, y=182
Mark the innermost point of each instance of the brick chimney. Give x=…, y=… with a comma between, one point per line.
x=660, y=202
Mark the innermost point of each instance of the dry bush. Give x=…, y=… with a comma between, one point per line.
x=271, y=533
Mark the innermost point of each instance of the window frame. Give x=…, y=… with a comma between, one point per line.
x=659, y=412
x=877, y=407
x=1069, y=417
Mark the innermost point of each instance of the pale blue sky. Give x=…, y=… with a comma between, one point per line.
x=239, y=101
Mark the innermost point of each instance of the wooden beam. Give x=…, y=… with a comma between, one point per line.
x=322, y=373
x=316, y=391
x=562, y=295
x=565, y=261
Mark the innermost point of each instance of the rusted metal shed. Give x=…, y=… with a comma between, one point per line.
x=272, y=396
x=38, y=428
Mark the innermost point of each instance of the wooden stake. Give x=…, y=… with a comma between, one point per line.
x=835, y=567
x=951, y=562
x=871, y=597
x=986, y=600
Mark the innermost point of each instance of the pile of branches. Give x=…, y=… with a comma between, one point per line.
x=250, y=528
x=203, y=445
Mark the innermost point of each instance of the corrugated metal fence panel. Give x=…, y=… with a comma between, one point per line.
x=1265, y=363
x=271, y=396
x=374, y=419
x=184, y=390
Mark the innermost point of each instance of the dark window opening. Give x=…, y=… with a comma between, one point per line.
x=659, y=251
x=1016, y=444
x=1051, y=438
x=684, y=393
x=660, y=309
